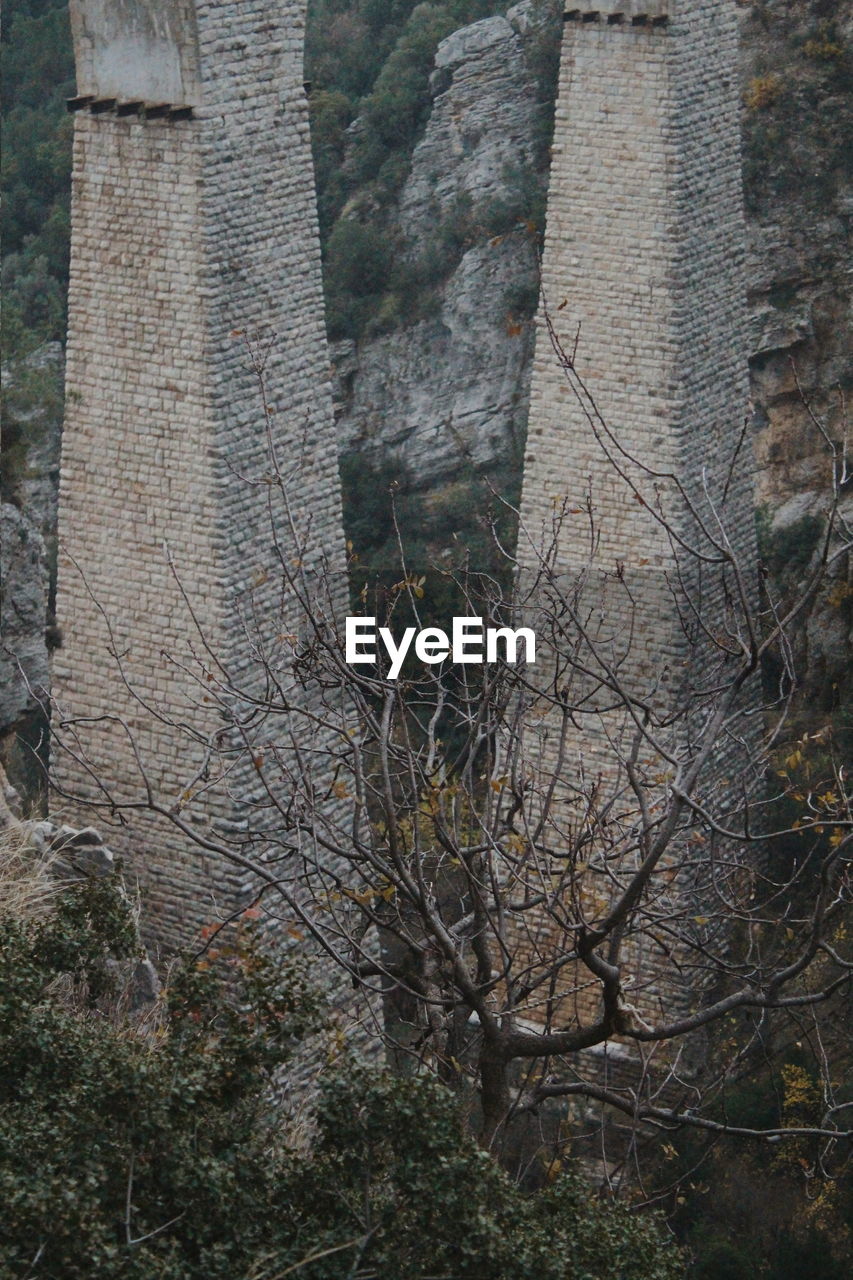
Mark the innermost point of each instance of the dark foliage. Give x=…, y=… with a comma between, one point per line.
x=37, y=76
x=134, y=1151
x=763, y=1210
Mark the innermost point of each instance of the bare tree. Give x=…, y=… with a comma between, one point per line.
x=630, y=935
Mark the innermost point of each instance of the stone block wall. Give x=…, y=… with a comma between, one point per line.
x=645, y=252
x=643, y=283
x=194, y=240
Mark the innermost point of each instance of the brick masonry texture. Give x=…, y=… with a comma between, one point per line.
x=191, y=237
x=644, y=267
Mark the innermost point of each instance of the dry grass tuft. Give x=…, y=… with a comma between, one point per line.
x=27, y=888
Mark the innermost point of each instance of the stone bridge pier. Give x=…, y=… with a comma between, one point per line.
x=194, y=244
x=643, y=283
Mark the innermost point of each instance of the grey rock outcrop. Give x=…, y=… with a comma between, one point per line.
x=449, y=389
x=10, y=803
x=24, y=677
x=453, y=388
x=482, y=125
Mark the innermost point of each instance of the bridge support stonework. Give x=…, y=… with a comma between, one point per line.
x=194, y=240
x=644, y=289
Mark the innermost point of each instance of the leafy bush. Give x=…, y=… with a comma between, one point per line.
x=356, y=270
x=331, y=113
x=399, y=100
x=378, y=56
x=762, y=91
x=390, y=1152
x=522, y=298
x=763, y=1209
x=787, y=551
x=127, y=1151
x=130, y=1150
x=33, y=304
x=358, y=258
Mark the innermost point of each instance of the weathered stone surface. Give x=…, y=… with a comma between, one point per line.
x=389, y=391
x=454, y=387
x=482, y=123
x=10, y=802
x=195, y=260
x=143, y=49
x=449, y=389
x=77, y=838
x=145, y=985
x=72, y=851
x=80, y=852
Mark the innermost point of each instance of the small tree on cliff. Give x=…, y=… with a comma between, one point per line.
x=526, y=932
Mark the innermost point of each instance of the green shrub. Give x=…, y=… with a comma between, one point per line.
x=787, y=551
x=757, y=1208
x=395, y=110
x=330, y=113
x=392, y=1152
x=524, y=201
x=357, y=258
x=33, y=304
x=370, y=493
x=129, y=1151
x=356, y=271
x=126, y=1153
x=522, y=298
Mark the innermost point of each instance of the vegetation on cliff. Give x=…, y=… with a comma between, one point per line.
x=148, y=1143
x=363, y=143
x=369, y=63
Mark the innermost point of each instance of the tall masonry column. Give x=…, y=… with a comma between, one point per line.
x=195, y=250
x=643, y=283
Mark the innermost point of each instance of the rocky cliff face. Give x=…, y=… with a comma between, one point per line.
x=797, y=128
x=453, y=387
x=23, y=654
x=442, y=391
x=798, y=123
x=447, y=389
